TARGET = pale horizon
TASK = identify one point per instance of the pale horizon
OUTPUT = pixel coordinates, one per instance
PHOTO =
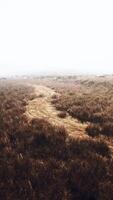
(56, 37)
(8, 71)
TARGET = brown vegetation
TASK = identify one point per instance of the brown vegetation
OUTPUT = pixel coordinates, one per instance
(62, 114)
(93, 103)
(41, 161)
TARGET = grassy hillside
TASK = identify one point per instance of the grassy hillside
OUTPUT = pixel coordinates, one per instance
(41, 161)
(92, 103)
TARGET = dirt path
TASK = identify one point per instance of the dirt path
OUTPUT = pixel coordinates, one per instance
(42, 107)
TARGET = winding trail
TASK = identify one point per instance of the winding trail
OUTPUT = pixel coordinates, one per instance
(42, 107)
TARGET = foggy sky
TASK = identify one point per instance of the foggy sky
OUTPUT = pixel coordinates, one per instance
(56, 37)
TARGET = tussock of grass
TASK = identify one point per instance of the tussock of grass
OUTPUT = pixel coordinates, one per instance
(62, 114)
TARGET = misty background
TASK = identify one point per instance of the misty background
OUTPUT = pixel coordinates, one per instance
(56, 37)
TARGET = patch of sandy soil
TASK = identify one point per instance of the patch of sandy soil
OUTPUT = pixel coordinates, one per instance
(42, 107)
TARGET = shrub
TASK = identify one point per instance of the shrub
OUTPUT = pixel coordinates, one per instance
(93, 130)
(62, 114)
(40, 95)
(54, 96)
(107, 129)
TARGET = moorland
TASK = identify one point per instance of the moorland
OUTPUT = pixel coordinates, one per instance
(56, 138)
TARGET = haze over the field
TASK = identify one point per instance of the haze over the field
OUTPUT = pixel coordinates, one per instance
(49, 37)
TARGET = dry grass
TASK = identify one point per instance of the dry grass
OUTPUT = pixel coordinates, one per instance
(92, 104)
(43, 108)
(39, 159)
